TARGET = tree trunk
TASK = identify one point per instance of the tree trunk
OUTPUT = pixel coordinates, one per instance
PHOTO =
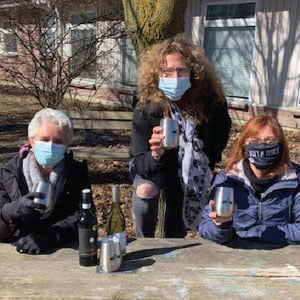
(151, 21)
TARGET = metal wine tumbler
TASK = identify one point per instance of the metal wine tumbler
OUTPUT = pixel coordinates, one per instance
(110, 255)
(224, 201)
(47, 189)
(171, 133)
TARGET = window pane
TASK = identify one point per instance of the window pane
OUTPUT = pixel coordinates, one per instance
(230, 11)
(129, 63)
(83, 59)
(230, 50)
(10, 42)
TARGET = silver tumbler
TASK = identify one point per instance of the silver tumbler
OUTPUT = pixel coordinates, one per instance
(224, 201)
(110, 255)
(171, 133)
(47, 189)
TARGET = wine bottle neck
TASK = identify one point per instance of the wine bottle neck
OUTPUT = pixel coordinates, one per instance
(86, 205)
(116, 204)
(116, 193)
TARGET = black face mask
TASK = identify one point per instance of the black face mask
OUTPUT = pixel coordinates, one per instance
(263, 155)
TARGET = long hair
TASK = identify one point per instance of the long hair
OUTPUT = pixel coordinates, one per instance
(251, 129)
(206, 91)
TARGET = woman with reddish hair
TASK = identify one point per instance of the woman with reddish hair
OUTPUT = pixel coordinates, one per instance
(266, 187)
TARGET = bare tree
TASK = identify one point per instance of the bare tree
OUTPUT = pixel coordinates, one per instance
(54, 46)
(150, 21)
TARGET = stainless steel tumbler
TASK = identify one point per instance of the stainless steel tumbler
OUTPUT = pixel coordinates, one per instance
(224, 201)
(110, 255)
(47, 189)
(171, 133)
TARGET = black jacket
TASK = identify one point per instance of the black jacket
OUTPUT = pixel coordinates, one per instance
(63, 219)
(214, 134)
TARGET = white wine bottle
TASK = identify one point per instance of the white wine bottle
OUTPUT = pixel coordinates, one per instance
(87, 231)
(115, 226)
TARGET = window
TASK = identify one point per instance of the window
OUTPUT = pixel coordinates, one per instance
(48, 37)
(83, 46)
(229, 43)
(129, 69)
(84, 49)
(8, 40)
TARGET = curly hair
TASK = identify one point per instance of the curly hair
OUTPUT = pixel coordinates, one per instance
(251, 129)
(206, 89)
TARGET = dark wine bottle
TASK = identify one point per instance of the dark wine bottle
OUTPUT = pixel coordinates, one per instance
(115, 226)
(87, 231)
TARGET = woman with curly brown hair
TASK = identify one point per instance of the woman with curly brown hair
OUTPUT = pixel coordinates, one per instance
(175, 81)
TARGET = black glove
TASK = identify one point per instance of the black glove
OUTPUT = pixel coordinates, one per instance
(23, 209)
(36, 243)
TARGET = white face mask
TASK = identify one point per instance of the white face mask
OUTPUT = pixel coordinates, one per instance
(174, 88)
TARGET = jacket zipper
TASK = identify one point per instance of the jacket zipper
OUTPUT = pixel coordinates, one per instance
(260, 208)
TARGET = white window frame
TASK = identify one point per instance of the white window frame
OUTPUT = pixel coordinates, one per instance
(3, 32)
(239, 22)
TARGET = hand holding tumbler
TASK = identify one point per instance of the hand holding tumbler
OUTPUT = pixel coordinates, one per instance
(224, 201)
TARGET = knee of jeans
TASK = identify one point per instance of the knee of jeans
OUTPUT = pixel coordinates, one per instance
(147, 190)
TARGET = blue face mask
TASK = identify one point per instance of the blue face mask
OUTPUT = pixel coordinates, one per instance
(48, 154)
(174, 88)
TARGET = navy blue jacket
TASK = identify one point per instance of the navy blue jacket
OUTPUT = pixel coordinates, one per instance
(272, 218)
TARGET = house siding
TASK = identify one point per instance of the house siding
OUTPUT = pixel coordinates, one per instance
(275, 72)
(277, 48)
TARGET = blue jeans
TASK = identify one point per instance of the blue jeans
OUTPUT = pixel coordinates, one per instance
(145, 210)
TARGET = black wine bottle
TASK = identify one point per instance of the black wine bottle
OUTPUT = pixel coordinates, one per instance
(115, 226)
(87, 231)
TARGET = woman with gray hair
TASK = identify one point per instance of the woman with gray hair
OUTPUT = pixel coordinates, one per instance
(34, 227)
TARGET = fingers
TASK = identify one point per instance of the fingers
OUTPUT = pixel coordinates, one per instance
(32, 195)
(28, 245)
(155, 142)
(156, 137)
(36, 207)
(217, 219)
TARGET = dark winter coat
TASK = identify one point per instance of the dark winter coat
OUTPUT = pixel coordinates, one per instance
(214, 134)
(274, 217)
(63, 218)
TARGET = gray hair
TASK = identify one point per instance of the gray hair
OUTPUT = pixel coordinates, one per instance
(51, 115)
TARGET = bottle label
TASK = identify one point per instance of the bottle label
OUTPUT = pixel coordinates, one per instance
(121, 238)
(87, 241)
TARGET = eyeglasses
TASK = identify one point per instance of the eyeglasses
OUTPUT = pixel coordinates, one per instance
(267, 140)
(181, 71)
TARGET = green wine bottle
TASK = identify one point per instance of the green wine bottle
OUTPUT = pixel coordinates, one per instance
(115, 226)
